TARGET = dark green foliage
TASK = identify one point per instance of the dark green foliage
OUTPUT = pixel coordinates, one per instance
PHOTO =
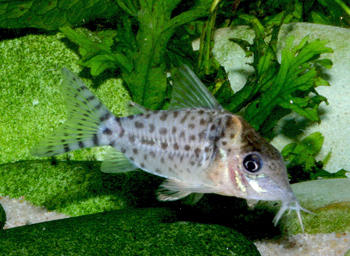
(96, 50)
(52, 14)
(329, 12)
(276, 89)
(149, 231)
(302, 164)
(139, 46)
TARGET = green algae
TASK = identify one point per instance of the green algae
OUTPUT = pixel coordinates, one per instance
(31, 103)
(149, 231)
(75, 187)
(331, 218)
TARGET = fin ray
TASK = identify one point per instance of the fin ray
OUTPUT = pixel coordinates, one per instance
(85, 114)
(170, 190)
(135, 108)
(190, 92)
(116, 162)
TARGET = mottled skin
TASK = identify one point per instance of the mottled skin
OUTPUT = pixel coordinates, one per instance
(176, 144)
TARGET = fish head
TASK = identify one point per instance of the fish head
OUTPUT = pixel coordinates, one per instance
(255, 168)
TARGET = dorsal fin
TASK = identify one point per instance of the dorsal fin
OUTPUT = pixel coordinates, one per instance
(190, 92)
(133, 108)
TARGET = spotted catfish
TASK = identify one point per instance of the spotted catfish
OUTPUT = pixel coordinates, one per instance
(196, 145)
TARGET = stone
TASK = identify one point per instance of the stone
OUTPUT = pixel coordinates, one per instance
(335, 119)
(149, 231)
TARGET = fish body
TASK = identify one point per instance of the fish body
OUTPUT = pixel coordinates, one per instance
(196, 145)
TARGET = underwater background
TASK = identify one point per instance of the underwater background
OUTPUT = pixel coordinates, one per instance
(282, 65)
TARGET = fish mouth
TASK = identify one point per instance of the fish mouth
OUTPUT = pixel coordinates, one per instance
(265, 188)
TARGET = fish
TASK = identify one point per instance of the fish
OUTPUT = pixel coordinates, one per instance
(196, 145)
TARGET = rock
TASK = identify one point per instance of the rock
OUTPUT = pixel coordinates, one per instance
(336, 117)
(320, 193)
(2, 217)
(330, 201)
(150, 231)
(31, 102)
(76, 188)
(20, 212)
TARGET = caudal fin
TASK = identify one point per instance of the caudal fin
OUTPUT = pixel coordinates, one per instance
(82, 129)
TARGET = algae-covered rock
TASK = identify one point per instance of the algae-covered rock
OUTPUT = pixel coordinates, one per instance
(75, 187)
(2, 217)
(149, 231)
(328, 199)
(31, 102)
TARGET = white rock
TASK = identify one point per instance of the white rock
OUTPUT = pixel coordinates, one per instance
(20, 212)
(319, 193)
(335, 124)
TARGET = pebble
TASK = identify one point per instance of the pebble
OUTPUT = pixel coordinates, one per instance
(332, 244)
(19, 212)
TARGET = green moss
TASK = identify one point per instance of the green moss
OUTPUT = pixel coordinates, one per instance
(2, 217)
(31, 103)
(149, 231)
(76, 188)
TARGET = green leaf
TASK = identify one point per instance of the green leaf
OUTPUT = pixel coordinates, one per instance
(304, 152)
(52, 14)
(156, 88)
(295, 75)
(328, 175)
(96, 50)
(100, 63)
(326, 63)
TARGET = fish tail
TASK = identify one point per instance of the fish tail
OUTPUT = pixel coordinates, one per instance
(89, 122)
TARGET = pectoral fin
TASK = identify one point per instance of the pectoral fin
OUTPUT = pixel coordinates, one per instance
(171, 190)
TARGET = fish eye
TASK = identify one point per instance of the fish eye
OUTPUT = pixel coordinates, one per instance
(252, 162)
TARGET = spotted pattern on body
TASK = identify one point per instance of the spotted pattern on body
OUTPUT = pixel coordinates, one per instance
(171, 144)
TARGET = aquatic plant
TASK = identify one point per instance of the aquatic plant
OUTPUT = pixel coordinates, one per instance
(301, 157)
(138, 47)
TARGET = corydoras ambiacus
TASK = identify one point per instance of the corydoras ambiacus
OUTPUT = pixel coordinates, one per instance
(196, 145)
